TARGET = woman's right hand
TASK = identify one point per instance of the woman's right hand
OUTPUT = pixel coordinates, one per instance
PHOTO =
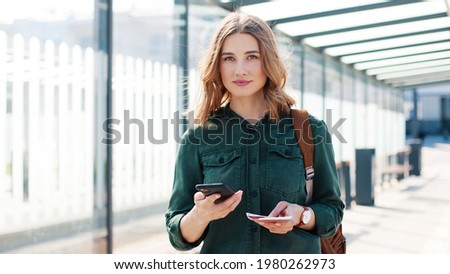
(205, 210)
(194, 223)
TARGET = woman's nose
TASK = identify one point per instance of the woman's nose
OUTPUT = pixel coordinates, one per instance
(241, 68)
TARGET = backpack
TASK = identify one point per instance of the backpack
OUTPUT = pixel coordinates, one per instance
(335, 244)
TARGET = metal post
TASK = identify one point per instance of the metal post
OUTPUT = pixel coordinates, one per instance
(415, 119)
(353, 105)
(341, 103)
(181, 55)
(302, 77)
(109, 152)
(324, 83)
(366, 101)
(103, 154)
(343, 169)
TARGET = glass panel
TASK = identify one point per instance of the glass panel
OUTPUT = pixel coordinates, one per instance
(348, 107)
(360, 111)
(348, 84)
(313, 83)
(382, 130)
(372, 93)
(47, 113)
(371, 110)
(149, 85)
(313, 72)
(333, 106)
(291, 54)
(333, 81)
(295, 75)
(204, 19)
(147, 69)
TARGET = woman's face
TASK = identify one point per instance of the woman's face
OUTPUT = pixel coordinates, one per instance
(241, 67)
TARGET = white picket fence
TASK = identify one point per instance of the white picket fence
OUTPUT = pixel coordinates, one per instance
(143, 169)
(47, 133)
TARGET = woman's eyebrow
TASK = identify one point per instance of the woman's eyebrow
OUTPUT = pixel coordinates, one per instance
(247, 52)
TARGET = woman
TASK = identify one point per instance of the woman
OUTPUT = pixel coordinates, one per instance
(245, 139)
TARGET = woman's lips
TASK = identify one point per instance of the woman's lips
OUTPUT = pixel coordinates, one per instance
(241, 82)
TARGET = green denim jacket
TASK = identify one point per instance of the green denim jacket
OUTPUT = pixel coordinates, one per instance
(265, 162)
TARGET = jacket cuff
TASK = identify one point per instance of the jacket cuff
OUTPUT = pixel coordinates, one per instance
(324, 226)
(175, 236)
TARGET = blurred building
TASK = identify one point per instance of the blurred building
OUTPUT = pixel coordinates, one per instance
(432, 110)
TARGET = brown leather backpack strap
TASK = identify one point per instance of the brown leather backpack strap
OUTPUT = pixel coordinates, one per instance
(336, 244)
(305, 141)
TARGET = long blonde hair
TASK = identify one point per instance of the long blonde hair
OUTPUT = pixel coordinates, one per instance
(213, 92)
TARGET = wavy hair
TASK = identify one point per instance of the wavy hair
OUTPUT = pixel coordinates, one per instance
(213, 92)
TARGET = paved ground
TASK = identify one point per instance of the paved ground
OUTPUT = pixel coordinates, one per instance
(410, 216)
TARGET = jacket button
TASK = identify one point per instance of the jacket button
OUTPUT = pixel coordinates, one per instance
(253, 160)
(221, 160)
(254, 194)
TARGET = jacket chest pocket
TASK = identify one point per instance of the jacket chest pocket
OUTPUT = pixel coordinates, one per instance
(223, 166)
(285, 171)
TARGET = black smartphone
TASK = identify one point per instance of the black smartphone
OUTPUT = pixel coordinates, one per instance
(208, 189)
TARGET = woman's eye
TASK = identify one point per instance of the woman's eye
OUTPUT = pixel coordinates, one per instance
(229, 58)
(251, 57)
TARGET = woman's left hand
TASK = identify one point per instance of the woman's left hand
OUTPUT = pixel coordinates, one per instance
(281, 210)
